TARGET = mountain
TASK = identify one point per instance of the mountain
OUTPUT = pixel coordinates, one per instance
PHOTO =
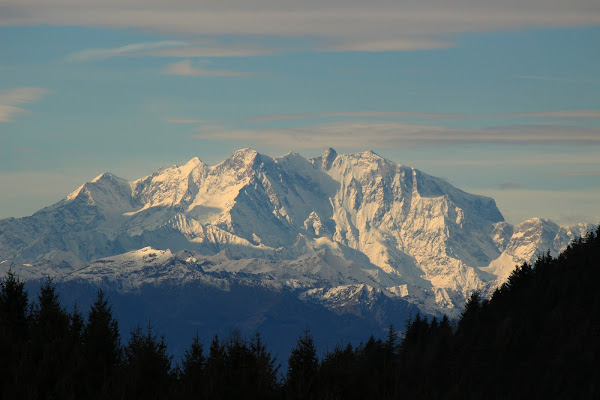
(353, 233)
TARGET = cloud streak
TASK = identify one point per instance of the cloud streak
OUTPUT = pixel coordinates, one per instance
(170, 48)
(345, 25)
(186, 68)
(359, 114)
(183, 121)
(566, 114)
(510, 185)
(552, 114)
(555, 79)
(214, 51)
(576, 174)
(10, 99)
(390, 134)
(134, 49)
(394, 44)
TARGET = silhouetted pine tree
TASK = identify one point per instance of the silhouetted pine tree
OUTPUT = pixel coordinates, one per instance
(264, 369)
(215, 370)
(238, 364)
(192, 375)
(303, 368)
(77, 365)
(101, 348)
(470, 316)
(14, 304)
(51, 347)
(146, 367)
(337, 374)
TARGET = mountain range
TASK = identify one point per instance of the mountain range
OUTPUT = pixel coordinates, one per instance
(354, 234)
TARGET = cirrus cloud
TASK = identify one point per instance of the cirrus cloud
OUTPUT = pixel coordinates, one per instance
(170, 48)
(134, 49)
(562, 114)
(510, 185)
(186, 68)
(392, 134)
(10, 99)
(549, 114)
(346, 25)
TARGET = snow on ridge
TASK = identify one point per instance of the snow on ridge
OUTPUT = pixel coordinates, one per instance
(74, 194)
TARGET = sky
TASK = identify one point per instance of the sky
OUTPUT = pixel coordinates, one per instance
(500, 98)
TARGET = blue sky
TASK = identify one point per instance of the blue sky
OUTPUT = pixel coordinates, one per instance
(499, 99)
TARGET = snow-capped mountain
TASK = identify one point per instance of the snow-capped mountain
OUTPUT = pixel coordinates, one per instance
(342, 230)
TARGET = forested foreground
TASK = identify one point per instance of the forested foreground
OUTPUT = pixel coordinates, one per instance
(538, 336)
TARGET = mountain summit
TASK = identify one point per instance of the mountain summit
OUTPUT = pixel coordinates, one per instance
(322, 227)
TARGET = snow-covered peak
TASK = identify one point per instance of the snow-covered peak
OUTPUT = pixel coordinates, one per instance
(293, 153)
(292, 158)
(107, 176)
(111, 194)
(327, 158)
(534, 227)
(370, 154)
(245, 151)
(242, 158)
(146, 254)
(192, 164)
(530, 239)
(75, 193)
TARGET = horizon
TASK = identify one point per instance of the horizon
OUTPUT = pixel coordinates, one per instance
(498, 100)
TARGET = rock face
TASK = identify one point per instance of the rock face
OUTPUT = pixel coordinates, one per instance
(345, 231)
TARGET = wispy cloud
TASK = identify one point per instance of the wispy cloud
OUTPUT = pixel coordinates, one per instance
(381, 45)
(186, 68)
(186, 121)
(510, 185)
(213, 51)
(555, 79)
(359, 114)
(567, 114)
(134, 49)
(391, 134)
(172, 48)
(10, 99)
(576, 174)
(396, 115)
(348, 25)
(552, 114)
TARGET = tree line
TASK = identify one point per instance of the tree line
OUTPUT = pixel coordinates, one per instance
(537, 336)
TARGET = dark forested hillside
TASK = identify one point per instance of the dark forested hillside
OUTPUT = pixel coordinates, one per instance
(538, 336)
